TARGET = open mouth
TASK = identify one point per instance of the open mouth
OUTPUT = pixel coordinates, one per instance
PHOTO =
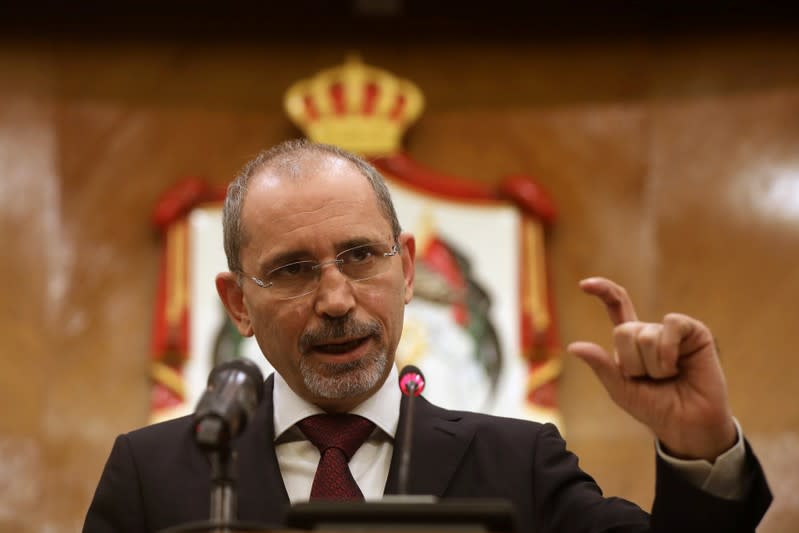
(340, 347)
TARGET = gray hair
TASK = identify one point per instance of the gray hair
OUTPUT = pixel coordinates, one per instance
(287, 152)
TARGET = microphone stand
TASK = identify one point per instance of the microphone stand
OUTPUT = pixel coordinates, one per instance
(405, 455)
(224, 500)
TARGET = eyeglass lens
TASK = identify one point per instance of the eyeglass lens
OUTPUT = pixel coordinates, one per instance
(302, 277)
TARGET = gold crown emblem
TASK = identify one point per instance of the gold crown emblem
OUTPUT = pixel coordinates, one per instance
(358, 107)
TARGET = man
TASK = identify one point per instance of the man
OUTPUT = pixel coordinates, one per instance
(320, 272)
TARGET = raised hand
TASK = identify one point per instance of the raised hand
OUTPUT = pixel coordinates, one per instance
(667, 375)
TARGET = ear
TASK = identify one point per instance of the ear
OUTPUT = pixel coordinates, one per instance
(233, 298)
(408, 255)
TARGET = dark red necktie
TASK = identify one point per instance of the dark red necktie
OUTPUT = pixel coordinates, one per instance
(338, 437)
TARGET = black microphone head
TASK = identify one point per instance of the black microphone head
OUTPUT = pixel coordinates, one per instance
(411, 380)
(235, 389)
(241, 364)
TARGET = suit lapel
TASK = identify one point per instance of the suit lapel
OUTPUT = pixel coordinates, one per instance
(439, 443)
(262, 494)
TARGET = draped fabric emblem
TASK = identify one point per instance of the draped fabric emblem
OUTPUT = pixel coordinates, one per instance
(338, 437)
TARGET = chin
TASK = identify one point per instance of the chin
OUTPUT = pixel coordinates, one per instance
(339, 381)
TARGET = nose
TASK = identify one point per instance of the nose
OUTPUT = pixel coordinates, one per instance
(334, 296)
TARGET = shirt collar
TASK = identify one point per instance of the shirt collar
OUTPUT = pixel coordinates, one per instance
(382, 407)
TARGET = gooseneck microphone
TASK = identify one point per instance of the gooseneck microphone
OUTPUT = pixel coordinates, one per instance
(411, 383)
(234, 391)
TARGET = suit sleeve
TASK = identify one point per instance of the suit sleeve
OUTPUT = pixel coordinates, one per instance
(117, 504)
(681, 506)
(570, 500)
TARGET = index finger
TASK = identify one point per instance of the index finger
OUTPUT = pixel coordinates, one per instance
(617, 302)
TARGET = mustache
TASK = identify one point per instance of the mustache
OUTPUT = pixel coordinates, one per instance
(338, 328)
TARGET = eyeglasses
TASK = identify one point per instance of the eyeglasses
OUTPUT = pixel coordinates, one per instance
(302, 277)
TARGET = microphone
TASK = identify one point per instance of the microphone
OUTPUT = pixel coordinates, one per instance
(234, 391)
(411, 383)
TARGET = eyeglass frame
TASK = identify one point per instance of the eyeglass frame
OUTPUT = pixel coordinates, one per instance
(317, 267)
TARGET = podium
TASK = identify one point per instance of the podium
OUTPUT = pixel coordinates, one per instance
(401, 514)
(207, 526)
(405, 513)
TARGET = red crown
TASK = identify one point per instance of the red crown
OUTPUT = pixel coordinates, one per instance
(360, 108)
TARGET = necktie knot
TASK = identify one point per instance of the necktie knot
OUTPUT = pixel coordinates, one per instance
(346, 432)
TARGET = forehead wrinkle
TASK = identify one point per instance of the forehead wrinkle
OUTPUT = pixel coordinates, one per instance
(325, 222)
(300, 228)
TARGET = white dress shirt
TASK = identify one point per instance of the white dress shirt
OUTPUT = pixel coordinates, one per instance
(298, 458)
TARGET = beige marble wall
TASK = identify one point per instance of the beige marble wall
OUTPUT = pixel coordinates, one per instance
(673, 162)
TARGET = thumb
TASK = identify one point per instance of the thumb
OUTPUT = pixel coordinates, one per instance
(603, 365)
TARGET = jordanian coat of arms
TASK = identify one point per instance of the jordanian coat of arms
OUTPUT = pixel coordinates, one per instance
(481, 324)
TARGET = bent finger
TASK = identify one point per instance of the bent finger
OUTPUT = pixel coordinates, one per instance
(625, 342)
(656, 354)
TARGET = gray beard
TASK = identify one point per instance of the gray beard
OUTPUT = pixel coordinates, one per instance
(337, 381)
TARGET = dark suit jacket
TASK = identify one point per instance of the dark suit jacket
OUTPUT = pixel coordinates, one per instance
(156, 477)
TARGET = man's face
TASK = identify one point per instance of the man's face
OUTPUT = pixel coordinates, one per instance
(334, 346)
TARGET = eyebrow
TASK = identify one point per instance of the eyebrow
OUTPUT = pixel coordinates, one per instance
(285, 258)
(352, 243)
